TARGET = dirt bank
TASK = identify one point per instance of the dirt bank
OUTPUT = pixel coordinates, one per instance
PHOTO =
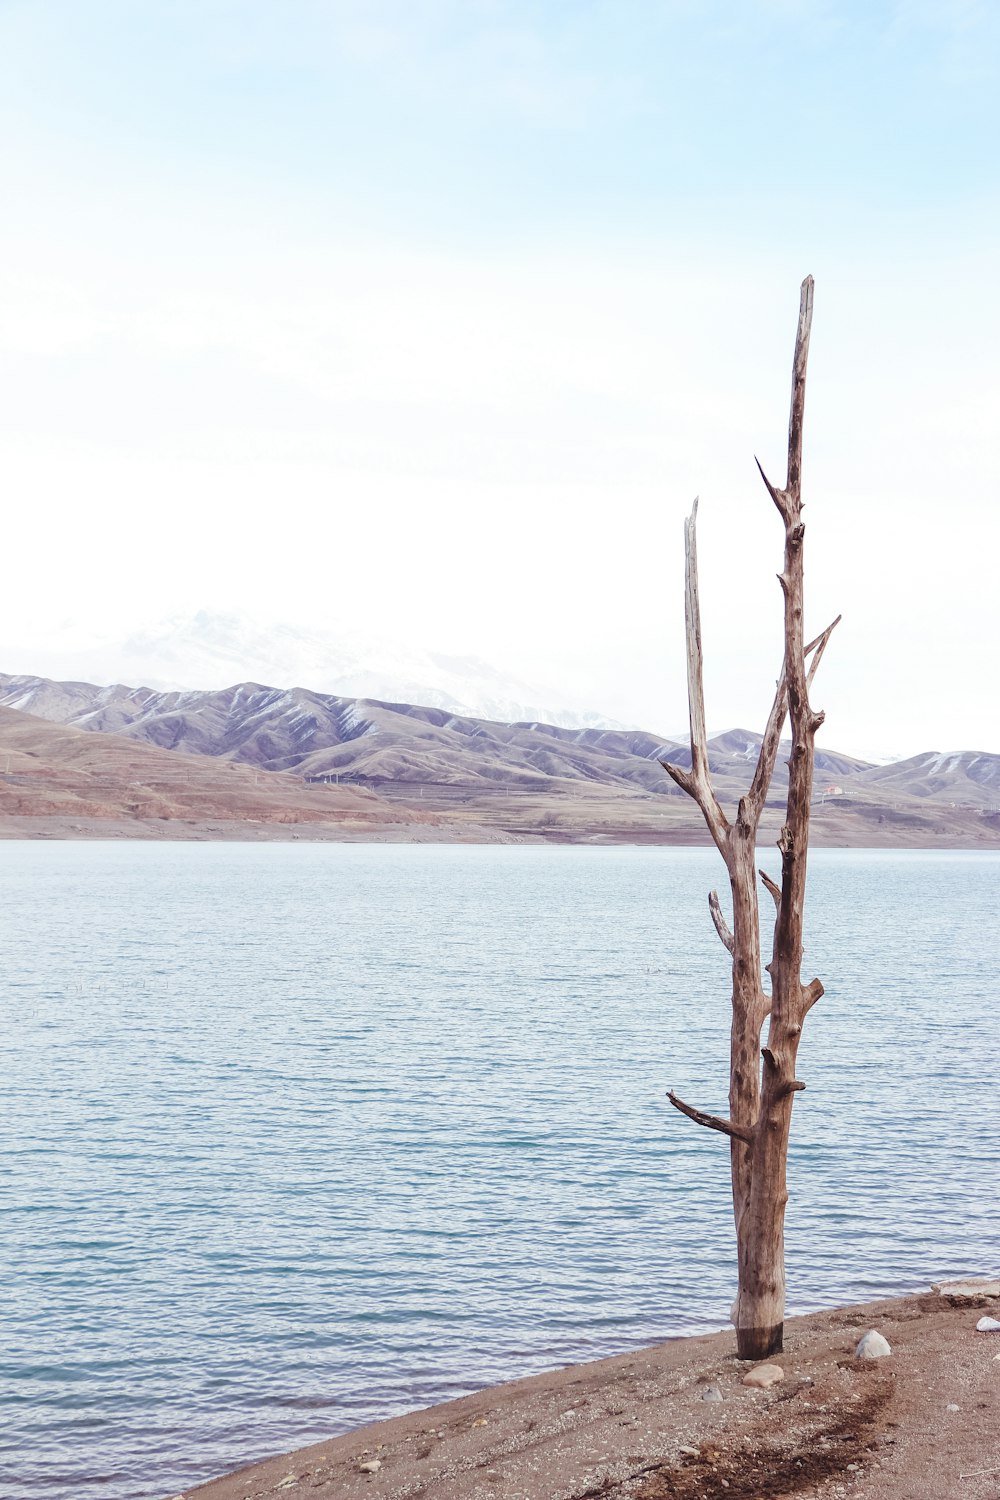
(920, 1424)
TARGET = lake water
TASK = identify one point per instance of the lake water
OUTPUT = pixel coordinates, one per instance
(296, 1136)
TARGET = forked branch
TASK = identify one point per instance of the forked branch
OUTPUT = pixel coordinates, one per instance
(768, 753)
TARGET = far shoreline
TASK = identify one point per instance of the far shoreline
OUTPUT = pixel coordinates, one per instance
(33, 829)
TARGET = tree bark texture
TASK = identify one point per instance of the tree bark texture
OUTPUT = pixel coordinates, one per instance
(762, 1084)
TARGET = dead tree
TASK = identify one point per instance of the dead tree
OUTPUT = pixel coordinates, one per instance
(762, 1081)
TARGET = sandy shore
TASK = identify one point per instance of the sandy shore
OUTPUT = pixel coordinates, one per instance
(920, 1424)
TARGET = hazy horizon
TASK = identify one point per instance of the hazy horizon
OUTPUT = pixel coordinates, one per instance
(175, 655)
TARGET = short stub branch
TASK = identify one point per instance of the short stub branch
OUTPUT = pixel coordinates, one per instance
(812, 992)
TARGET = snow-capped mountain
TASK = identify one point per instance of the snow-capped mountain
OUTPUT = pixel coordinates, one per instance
(213, 650)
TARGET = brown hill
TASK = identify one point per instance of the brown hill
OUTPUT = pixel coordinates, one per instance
(364, 740)
(72, 780)
(527, 781)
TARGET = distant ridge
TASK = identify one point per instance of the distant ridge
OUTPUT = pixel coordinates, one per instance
(407, 752)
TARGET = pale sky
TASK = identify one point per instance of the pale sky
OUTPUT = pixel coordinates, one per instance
(434, 317)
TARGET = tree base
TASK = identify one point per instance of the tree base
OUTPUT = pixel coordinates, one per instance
(759, 1343)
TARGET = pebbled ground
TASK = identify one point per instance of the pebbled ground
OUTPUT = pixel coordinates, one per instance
(637, 1427)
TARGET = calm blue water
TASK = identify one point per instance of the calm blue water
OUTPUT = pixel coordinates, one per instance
(296, 1136)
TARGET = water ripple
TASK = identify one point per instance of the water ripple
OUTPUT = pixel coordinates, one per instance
(297, 1137)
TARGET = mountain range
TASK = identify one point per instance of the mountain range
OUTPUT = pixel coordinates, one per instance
(509, 779)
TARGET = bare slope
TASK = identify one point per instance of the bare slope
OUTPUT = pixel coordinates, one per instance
(362, 739)
(314, 733)
(62, 774)
(529, 780)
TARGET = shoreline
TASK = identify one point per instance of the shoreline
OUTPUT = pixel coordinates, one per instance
(921, 1424)
(39, 829)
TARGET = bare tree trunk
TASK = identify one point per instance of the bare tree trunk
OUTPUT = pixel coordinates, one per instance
(760, 1099)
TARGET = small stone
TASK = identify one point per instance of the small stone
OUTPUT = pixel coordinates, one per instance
(952, 1407)
(872, 1346)
(764, 1376)
(690, 1452)
(480, 1422)
(371, 1467)
(988, 1325)
(287, 1482)
(711, 1393)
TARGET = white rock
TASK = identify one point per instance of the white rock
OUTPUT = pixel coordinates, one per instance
(988, 1325)
(371, 1467)
(969, 1286)
(763, 1376)
(872, 1346)
(952, 1407)
(711, 1393)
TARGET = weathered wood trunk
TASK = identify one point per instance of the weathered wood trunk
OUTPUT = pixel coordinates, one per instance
(762, 1082)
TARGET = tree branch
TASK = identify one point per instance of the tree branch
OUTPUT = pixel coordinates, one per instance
(819, 644)
(788, 500)
(778, 496)
(701, 792)
(771, 739)
(698, 782)
(683, 778)
(796, 415)
(711, 1122)
(812, 992)
(720, 922)
(695, 665)
(769, 885)
(768, 753)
